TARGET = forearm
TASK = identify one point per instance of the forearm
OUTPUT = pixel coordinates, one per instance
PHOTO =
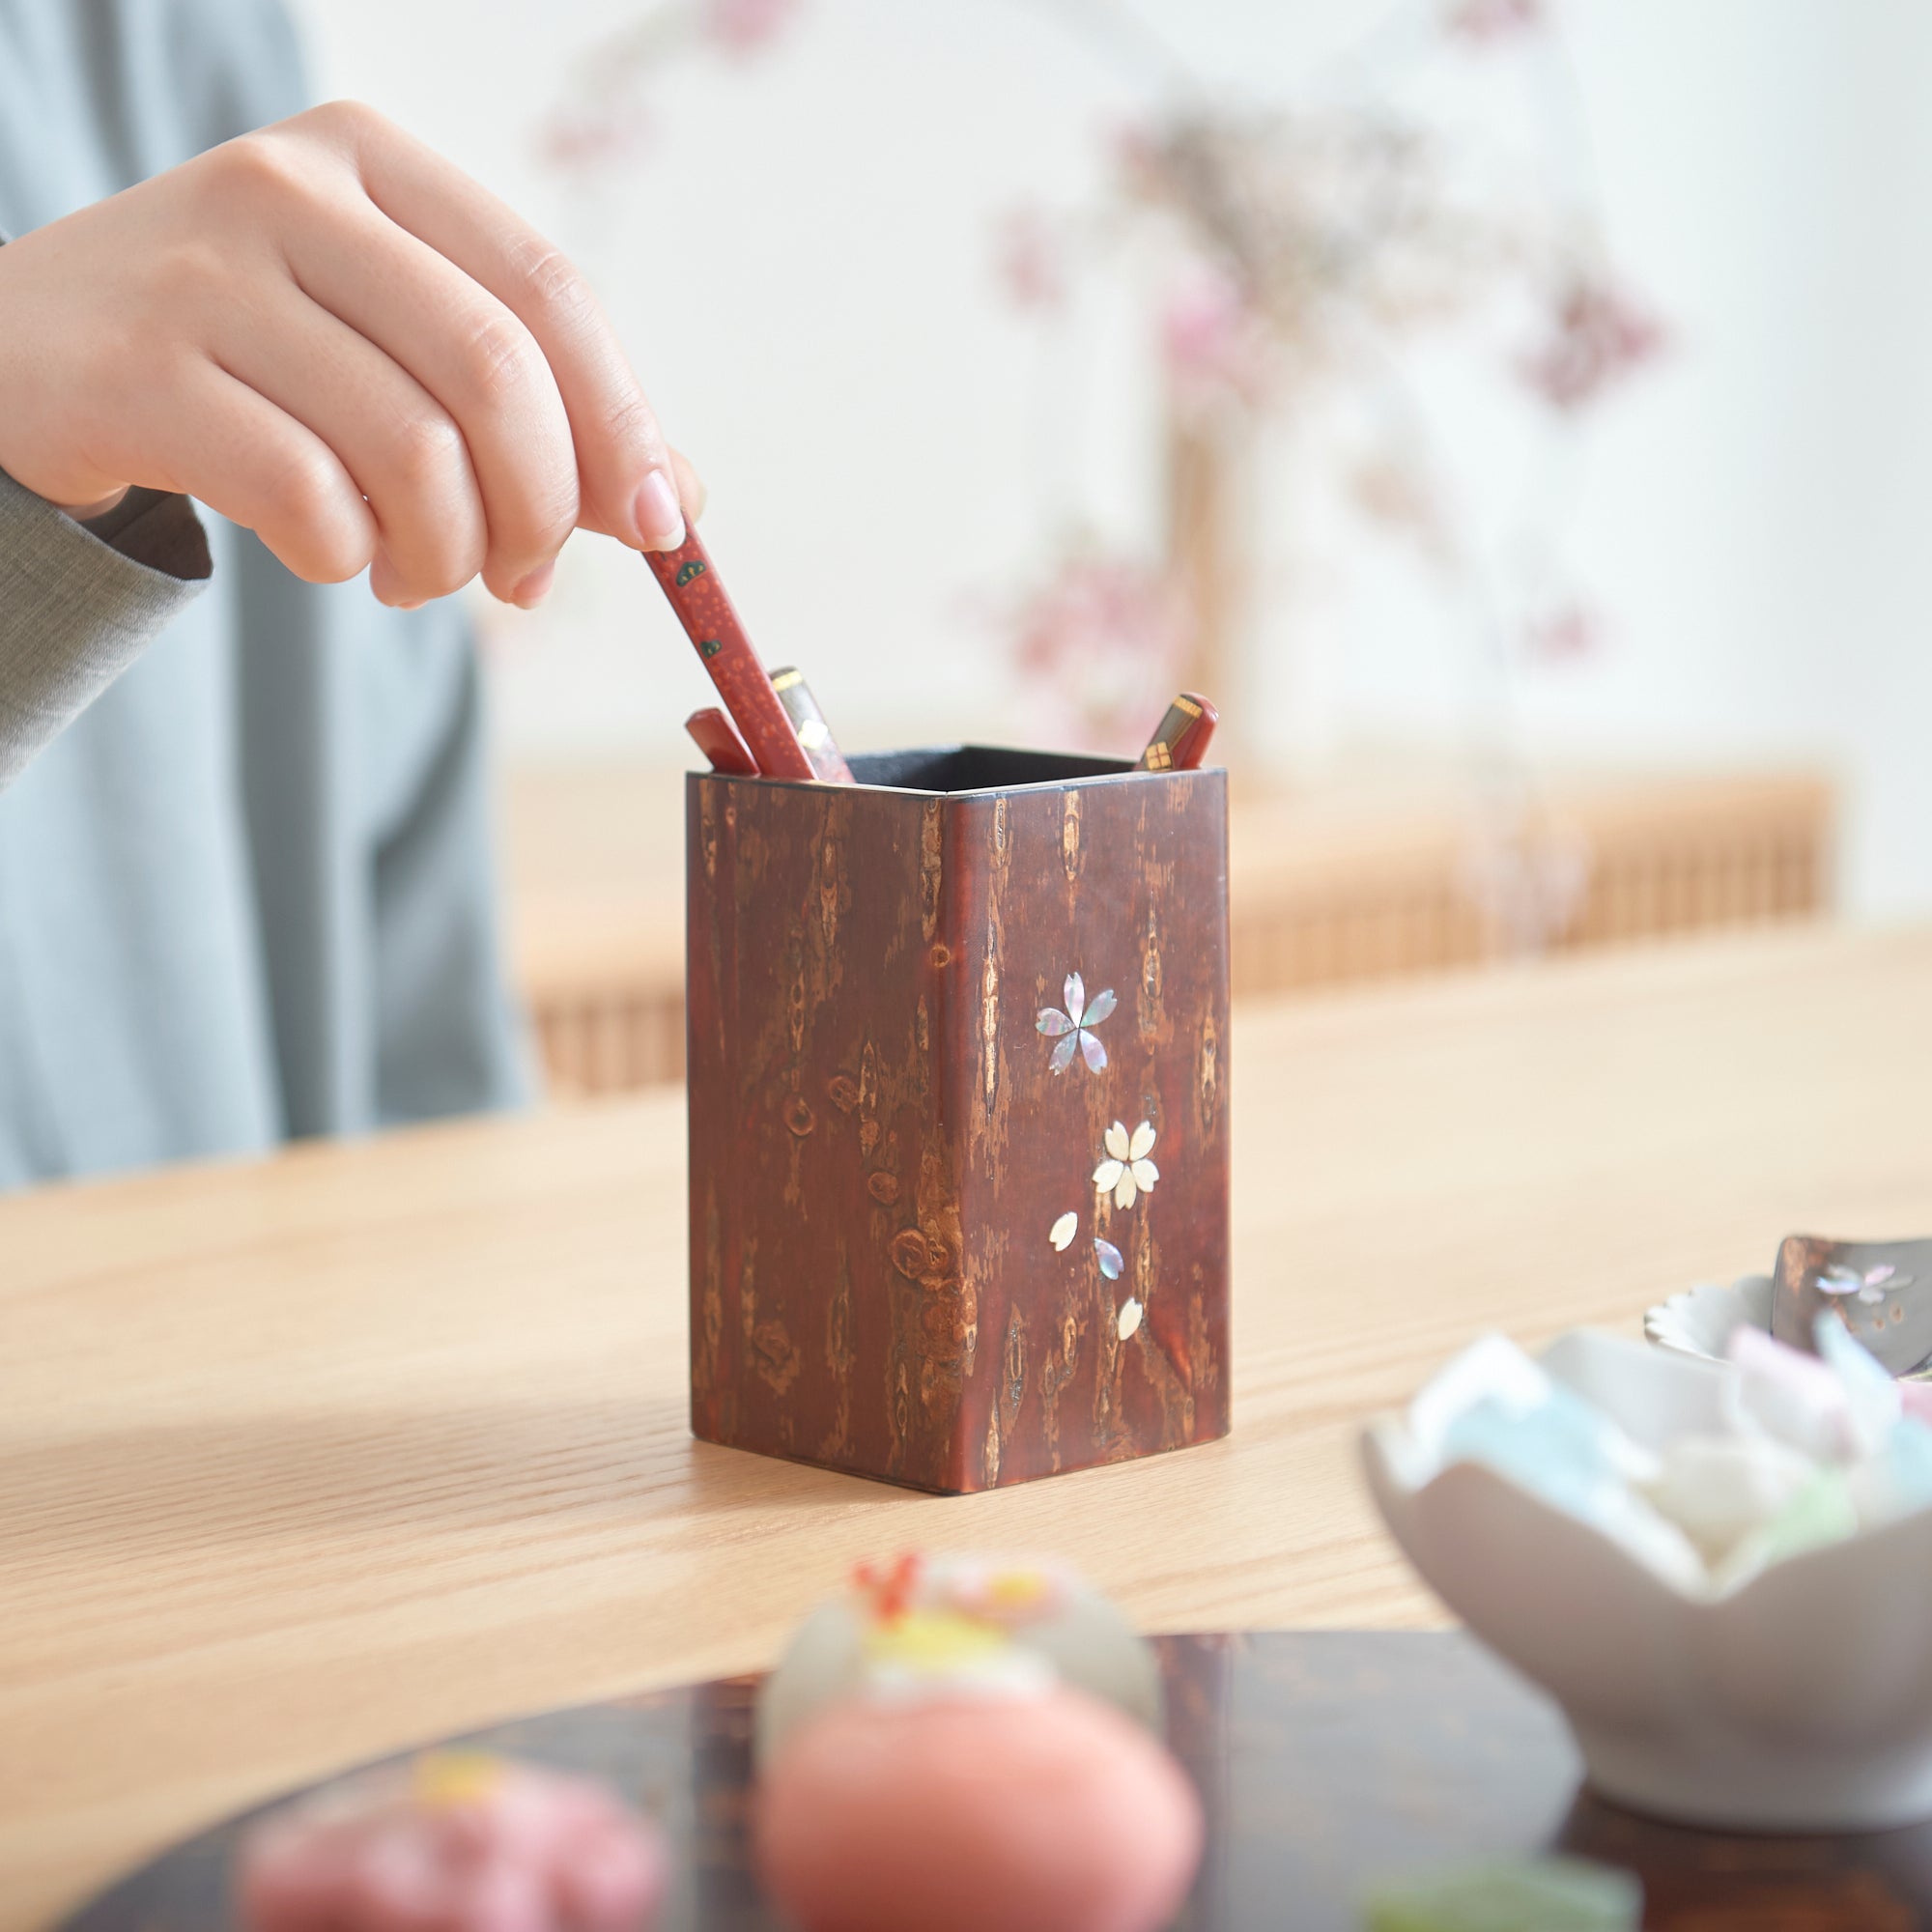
(79, 603)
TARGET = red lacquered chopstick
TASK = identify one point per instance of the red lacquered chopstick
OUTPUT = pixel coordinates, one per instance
(1181, 739)
(718, 739)
(688, 579)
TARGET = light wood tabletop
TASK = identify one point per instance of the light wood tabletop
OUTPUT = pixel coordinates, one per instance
(310, 1458)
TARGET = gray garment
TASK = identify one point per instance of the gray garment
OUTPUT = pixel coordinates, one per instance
(80, 604)
(246, 877)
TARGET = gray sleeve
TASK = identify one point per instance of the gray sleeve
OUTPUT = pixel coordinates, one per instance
(79, 603)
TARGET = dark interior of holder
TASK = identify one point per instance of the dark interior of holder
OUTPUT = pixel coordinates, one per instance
(977, 768)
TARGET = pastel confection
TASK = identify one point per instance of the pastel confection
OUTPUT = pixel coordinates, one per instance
(1493, 1405)
(963, 1743)
(1043, 1811)
(463, 1844)
(1794, 1397)
(1821, 1512)
(1898, 1478)
(1720, 1489)
(1802, 1450)
(1541, 1895)
(1011, 1614)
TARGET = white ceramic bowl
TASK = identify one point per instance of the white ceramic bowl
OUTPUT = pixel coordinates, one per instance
(1699, 1321)
(1800, 1701)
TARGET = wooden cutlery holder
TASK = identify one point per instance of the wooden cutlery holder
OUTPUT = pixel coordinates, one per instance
(957, 1044)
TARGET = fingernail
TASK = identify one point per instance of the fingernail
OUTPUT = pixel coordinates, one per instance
(659, 520)
(533, 589)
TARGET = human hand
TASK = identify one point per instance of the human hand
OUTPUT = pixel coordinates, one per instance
(330, 334)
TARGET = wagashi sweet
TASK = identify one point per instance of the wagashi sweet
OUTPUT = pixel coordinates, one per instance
(460, 1843)
(864, 1639)
(960, 1743)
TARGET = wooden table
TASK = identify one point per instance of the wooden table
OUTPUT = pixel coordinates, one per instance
(307, 1459)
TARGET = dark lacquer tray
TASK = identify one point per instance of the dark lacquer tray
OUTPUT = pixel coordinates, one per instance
(1326, 1760)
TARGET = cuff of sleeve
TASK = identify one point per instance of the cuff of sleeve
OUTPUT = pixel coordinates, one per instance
(160, 530)
(75, 610)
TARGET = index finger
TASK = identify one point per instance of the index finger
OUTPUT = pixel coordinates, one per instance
(627, 483)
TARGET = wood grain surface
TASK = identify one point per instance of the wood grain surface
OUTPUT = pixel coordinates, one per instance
(881, 1137)
(311, 1459)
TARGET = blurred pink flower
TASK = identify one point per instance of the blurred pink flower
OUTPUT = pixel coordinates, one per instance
(1032, 260)
(1140, 159)
(1598, 335)
(1486, 21)
(746, 26)
(1529, 882)
(1564, 632)
(1213, 342)
(1105, 637)
(1397, 494)
(584, 140)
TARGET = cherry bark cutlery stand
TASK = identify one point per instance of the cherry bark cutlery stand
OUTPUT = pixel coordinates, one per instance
(958, 1047)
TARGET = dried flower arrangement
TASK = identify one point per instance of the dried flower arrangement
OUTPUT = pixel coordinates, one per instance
(601, 117)
(1298, 253)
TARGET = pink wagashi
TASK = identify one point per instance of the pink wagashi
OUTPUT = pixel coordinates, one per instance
(1033, 1813)
(467, 1844)
(963, 1743)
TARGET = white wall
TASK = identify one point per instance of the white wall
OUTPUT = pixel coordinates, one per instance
(799, 261)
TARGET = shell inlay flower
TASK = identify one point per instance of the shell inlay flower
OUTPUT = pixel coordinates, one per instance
(1109, 1257)
(1130, 1318)
(1063, 1231)
(1127, 1172)
(1072, 1028)
(1872, 1286)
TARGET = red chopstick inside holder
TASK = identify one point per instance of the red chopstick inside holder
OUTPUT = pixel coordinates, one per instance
(1181, 739)
(717, 737)
(689, 580)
